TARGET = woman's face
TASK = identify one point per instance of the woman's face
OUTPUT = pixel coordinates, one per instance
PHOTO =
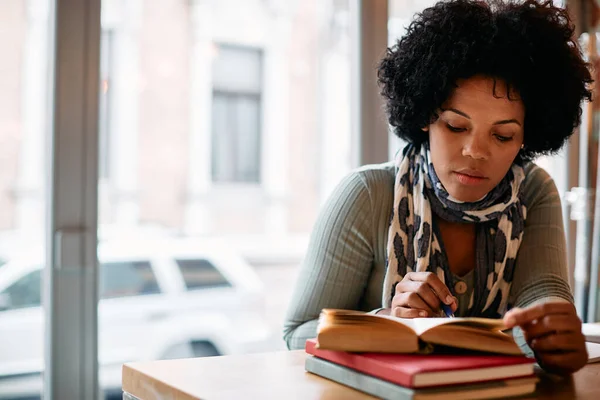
(476, 138)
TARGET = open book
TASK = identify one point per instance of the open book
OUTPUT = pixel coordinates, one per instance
(356, 331)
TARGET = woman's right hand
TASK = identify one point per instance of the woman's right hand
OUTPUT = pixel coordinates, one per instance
(420, 294)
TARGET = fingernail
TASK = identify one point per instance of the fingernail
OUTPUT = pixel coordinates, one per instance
(449, 299)
(423, 313)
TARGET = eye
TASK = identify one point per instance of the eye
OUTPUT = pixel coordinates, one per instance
(503, 139)
(454, 128)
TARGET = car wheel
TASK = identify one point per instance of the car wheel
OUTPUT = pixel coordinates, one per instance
(204, 349)
(179, 350)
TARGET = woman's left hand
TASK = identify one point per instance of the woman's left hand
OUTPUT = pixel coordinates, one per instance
(553, 331)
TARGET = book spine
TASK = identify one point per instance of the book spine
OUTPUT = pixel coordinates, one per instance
(357, 380)
(362, 364)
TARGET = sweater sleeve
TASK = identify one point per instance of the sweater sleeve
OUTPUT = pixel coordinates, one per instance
(541, 272)
(338, 262)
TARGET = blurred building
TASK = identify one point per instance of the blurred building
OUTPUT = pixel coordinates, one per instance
(217, 117)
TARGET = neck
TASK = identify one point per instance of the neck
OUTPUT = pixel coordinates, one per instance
(465, 225)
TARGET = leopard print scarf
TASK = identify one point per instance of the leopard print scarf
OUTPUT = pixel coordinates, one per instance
(414, 242)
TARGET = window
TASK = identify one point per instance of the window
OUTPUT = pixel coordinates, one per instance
(236, 110)
(26, 292)
(230, 120)
(127, 278)
(27, 119)
(201, 274)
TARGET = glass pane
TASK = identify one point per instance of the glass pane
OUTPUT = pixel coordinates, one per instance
(236, 137)
(247, 115)
(225, 124)
(129, 278)
(236, 97)
(23, 137)
(237, 69)
(201, 274)
(24, 293)
(401, 13)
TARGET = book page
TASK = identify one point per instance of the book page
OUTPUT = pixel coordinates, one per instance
(350, 330)
(468, 337)
(347, 330)
(417, 325)
(422, 325)
(336, 316)
(482, 334)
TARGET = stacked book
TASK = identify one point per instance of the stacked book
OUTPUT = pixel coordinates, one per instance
(429, 358)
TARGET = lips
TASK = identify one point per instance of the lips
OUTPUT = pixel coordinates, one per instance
(471, 172)
(470, 176)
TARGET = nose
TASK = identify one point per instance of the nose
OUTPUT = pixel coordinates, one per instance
(476, 147)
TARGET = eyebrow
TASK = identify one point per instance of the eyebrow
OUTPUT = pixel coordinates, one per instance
(501, 122)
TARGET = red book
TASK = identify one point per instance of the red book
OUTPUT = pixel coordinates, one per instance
(428, 370)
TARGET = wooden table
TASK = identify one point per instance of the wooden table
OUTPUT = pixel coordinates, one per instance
(281, 375)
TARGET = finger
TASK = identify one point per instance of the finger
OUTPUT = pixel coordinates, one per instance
(413, 300)
(560, 342)
(563, 362)
(560, 323)
(441, 290)
(405, 312)
(522, 316)
(424, 291)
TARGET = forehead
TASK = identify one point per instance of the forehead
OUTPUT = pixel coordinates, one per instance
(486, 95)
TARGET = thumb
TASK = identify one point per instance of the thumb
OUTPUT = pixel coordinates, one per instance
(509, 318)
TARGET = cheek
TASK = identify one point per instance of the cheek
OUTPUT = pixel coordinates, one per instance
(502, 164)
(442, 151)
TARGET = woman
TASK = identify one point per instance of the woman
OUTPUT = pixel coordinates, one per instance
(462, 217)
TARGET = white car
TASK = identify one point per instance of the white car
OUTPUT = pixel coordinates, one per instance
(159, 299)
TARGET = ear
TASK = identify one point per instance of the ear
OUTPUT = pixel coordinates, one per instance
(425, 129)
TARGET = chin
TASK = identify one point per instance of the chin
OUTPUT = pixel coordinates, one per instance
(467, 196)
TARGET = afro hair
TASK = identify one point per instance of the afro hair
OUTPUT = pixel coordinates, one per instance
(529, 45)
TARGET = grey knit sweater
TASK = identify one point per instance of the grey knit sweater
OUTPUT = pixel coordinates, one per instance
(345, 263)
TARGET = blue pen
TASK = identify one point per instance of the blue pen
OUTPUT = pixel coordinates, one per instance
(447, 310)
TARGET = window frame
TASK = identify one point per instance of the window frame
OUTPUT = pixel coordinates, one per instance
(71, 272)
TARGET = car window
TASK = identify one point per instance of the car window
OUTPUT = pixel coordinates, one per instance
(201, 274)
(127, 278)
(26, 292)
